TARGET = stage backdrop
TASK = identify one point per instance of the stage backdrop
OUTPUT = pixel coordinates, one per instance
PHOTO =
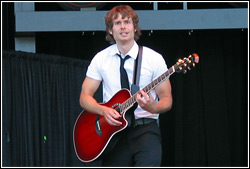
(207, 125)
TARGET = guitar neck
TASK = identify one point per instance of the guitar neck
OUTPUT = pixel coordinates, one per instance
(132, 100)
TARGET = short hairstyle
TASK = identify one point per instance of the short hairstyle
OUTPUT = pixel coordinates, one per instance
(125, 11)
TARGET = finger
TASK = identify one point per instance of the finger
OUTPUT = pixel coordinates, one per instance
(139, 94)
(139, 98)
(116, 115)
(112, 121)
(150, 95)
(116, 122)
(145, 95)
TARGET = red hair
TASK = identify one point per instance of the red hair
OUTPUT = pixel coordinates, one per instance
(125, 11)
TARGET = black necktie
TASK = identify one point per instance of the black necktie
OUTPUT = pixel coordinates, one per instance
(125, 84)
(123, 73)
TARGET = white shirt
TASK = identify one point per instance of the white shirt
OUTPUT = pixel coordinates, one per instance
(105, 67)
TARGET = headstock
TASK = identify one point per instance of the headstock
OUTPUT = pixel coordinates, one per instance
(183, 64)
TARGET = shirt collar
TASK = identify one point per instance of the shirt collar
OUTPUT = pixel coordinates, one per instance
(133, 52)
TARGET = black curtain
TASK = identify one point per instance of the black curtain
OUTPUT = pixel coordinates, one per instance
(40, 104)
(207, 125)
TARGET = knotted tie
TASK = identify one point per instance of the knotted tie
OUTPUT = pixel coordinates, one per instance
(123, 73)
(125, 84)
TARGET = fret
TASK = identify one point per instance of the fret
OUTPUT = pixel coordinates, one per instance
(162, 77)
(156, 82)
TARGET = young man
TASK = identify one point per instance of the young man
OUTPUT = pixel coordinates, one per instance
(140, 145)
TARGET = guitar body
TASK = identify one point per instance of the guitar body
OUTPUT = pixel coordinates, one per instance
(92, 133)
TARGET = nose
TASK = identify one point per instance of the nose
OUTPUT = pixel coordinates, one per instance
(122, 25)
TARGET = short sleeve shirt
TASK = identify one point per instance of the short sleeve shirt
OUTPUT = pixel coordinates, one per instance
(105, 67)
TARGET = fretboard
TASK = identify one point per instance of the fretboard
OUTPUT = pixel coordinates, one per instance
(132, 100)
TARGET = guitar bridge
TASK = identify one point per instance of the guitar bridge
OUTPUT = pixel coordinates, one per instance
(98, 126)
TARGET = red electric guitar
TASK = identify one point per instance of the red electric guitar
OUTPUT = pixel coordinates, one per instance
(92, 134)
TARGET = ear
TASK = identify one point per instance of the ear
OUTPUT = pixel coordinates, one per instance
(110, 31)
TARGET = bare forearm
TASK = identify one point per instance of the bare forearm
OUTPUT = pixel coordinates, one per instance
(147, 102)
(90, 104)
(164, 105)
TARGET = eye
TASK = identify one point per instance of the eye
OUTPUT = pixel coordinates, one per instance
(127, 22)
(117, 23)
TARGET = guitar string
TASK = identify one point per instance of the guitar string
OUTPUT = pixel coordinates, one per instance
(129, 103)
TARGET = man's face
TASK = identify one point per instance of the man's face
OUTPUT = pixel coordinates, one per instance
(123, 29)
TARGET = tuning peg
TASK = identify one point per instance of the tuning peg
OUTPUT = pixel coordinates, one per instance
(189, 68)
(196, 57)
(184, 71)
(180, 61)
(193, 64)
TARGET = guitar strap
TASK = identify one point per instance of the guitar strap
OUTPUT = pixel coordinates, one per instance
(135, 86)
(137, 72)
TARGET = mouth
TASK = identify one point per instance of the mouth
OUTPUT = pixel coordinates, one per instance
(123, 33)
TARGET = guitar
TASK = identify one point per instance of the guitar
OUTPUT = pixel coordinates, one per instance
(92, 134)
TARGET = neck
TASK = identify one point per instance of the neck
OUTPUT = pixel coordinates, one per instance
(125, 47)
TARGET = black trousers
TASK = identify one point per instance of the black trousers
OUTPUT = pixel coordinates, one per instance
(138, 146)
